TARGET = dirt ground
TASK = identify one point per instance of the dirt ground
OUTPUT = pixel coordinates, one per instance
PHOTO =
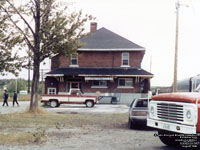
(103, 135)
(73, 130)
(89, 138)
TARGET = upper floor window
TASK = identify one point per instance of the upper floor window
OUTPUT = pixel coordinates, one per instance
(125, 59)
(74, 61)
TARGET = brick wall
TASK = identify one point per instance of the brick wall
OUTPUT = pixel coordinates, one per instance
(112, 86)
(51, 83)
(55, 62)
(99, 59)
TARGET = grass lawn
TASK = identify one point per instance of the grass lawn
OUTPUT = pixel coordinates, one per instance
(25, 128)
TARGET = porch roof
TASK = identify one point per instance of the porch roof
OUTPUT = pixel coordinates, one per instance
(132, 72)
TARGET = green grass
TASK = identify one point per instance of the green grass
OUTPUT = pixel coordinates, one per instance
(15, 138)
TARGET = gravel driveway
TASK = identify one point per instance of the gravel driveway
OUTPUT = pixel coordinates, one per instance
(68, 108)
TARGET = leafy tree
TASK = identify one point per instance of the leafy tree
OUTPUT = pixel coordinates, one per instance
(20, 83)
(47, 28)
(9, 62)
(4, 82)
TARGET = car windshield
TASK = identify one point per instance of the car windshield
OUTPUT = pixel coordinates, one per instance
(142, 103)
(132, 103)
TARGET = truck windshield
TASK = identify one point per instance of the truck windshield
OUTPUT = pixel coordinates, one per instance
(195, 84)
(76, 92)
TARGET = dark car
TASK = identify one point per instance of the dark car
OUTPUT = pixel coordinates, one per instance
(138, 112)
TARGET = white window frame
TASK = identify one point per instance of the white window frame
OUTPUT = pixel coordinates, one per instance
(126, 81)
(99, 86)
(74, 57)
(126, 65)
(51, 93)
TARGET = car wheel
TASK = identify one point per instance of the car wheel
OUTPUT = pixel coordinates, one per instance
(54, 103)
(89, 103)
(130, 124)
(168, 138)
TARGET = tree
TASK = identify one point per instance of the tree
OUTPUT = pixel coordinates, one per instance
(48, 29)
(9, 62)
(20, 83)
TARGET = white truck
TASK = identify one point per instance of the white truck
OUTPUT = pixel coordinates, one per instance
(75, 96)
(176, 116)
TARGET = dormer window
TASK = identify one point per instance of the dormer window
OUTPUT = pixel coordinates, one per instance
(74, 61)
(125, 60)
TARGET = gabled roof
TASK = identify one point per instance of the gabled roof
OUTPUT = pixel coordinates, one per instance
(104, 39)
(99, 72)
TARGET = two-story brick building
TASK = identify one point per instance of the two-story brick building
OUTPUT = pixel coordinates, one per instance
(107, 64)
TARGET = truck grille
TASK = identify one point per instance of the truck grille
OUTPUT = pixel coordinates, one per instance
(170, 112)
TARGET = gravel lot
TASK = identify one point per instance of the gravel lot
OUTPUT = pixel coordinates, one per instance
(99, 136)
(68, 108)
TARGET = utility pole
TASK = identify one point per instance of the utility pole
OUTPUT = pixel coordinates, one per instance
(42, 74)
(16, 85)
(176, 46)
(150, 63)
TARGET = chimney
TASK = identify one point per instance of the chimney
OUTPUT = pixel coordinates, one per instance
(93, 26)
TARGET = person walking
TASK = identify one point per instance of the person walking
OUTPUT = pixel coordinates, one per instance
(15, 99)
(5, 97)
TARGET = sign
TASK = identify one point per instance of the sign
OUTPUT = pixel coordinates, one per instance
(98, 78)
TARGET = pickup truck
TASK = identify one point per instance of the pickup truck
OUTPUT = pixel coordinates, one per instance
(74, 96)
(176, 116)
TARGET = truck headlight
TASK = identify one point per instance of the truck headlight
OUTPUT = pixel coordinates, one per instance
(152, 110)
(188, 114)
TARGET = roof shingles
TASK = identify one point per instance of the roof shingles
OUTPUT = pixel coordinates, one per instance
(103, 39)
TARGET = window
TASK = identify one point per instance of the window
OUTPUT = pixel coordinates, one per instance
(142, 103)
(99, 83)
(125, 59)
(76, 92)
(74, 61)
(74, 85)
(125, 82)
(51, 90)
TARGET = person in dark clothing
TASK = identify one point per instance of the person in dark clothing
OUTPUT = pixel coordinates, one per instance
(5, 97)
(15, 99)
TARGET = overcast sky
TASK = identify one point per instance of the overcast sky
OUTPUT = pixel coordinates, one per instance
(151, 24)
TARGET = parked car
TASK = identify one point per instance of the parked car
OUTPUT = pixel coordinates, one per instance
(108, 100)
(138, 112)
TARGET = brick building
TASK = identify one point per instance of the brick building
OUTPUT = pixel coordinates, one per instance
(107, 63)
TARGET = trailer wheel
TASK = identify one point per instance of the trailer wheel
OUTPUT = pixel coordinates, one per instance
(54, 103)
(168, 138)
(89, 103)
